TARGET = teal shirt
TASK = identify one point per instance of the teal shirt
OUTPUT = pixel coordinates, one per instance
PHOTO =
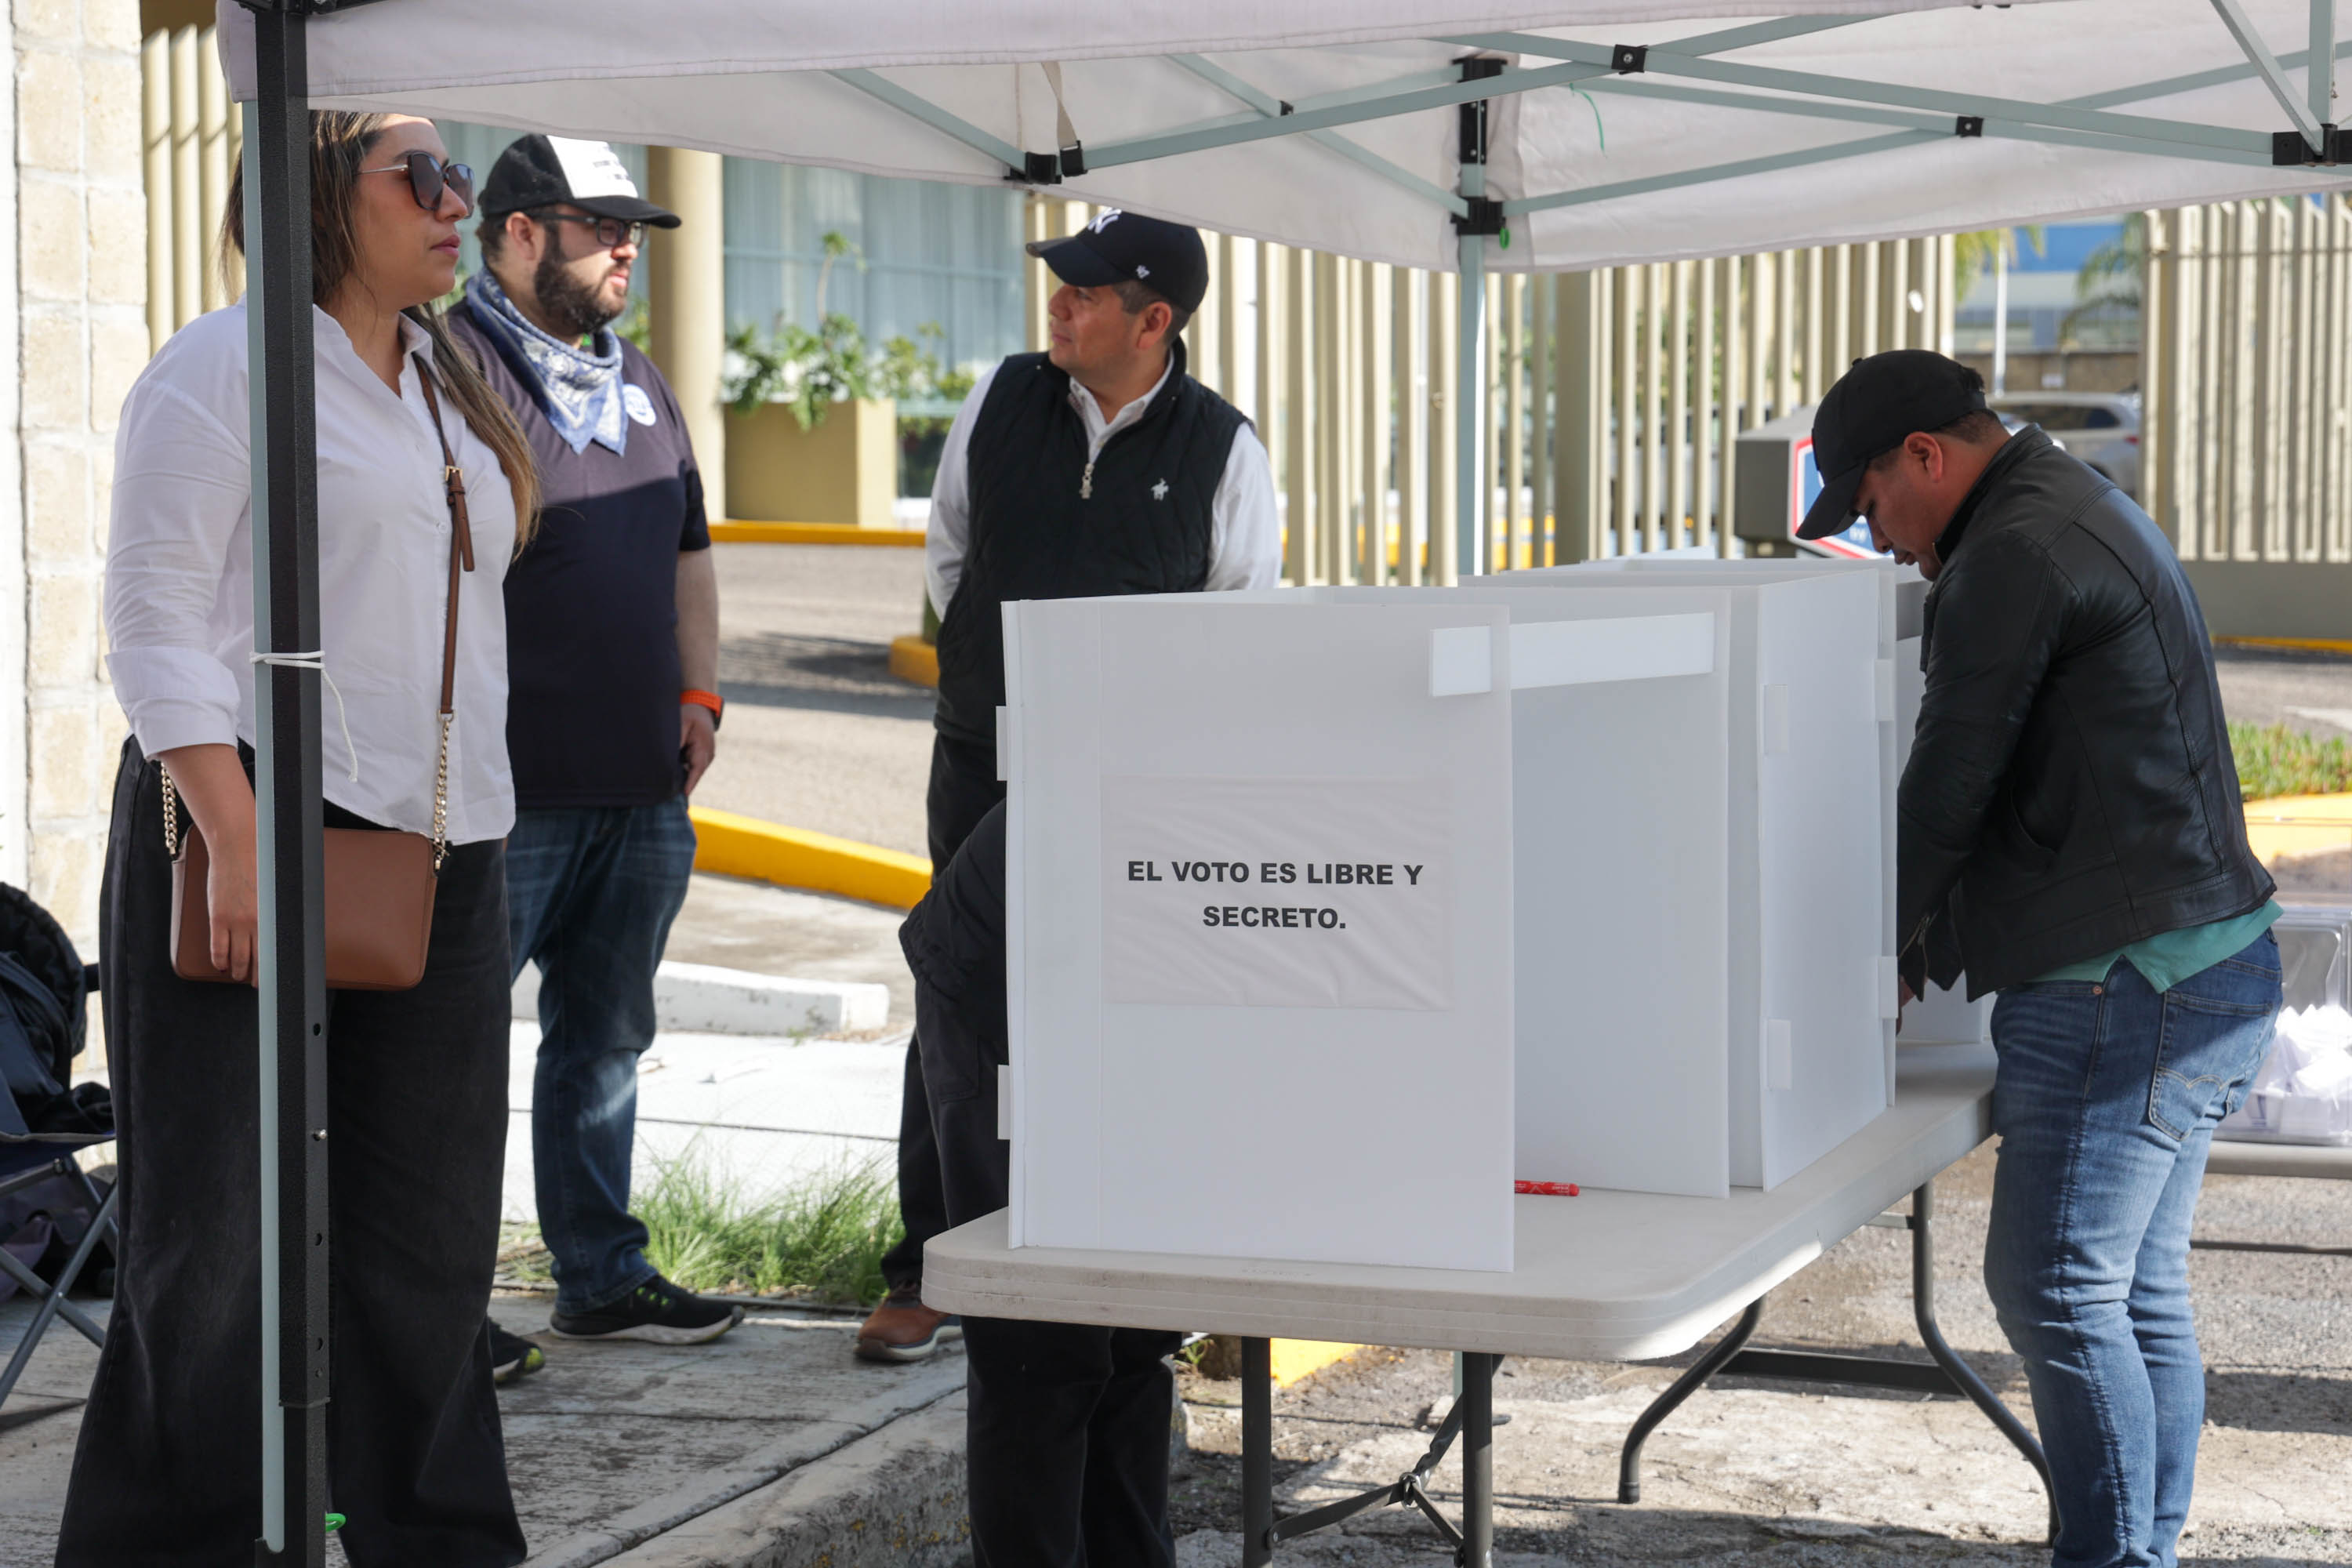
(2167, 958)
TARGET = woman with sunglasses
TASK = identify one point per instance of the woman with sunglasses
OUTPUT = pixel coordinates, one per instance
(168, 1467)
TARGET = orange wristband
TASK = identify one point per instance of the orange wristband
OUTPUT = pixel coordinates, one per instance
(710, 700)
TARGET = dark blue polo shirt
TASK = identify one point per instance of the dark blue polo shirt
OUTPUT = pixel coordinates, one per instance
(592, 602)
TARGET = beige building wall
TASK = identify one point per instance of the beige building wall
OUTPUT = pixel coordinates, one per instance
(81, 338)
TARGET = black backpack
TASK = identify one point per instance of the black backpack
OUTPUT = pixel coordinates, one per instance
(44, 1011)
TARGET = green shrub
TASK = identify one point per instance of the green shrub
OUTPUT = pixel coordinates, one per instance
(2274, 760)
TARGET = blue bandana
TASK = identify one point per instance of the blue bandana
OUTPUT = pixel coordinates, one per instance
(579, 389)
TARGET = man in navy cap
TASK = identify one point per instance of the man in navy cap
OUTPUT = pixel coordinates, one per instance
(2069, 834)
(1099, 467)
(613, 712)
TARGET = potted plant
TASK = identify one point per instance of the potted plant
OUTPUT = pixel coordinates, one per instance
(819, 437)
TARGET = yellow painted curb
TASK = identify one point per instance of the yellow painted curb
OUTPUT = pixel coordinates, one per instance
(2306, 645)
(2299, 825)
(1295, 1359)
(734, 533)
(737, 846)
(915, 661)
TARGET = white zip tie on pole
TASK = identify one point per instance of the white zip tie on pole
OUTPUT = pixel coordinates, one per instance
(316, 659)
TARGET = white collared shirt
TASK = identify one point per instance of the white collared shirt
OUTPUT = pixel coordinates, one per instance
(179, 574)
(1245, 527)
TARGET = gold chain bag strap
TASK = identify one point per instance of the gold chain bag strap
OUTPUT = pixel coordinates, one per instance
(379, 884)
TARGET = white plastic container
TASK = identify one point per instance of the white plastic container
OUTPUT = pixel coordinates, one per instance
(2304, 1093)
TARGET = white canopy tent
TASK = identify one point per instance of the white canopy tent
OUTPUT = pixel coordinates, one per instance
(1547, 135)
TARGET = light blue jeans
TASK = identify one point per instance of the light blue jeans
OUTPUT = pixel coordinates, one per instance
(2106, 1103)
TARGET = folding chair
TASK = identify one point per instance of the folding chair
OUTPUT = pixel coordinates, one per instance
(28, 1158)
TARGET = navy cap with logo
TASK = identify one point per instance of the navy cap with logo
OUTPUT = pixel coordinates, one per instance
(1872, 410)
(559, 171)
(1127, 248)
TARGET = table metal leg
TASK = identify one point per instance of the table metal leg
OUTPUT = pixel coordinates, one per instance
(1923, 1313)
(1257, 1453)
(1479, 1459)
(1949, 1376)
(1629, 1463)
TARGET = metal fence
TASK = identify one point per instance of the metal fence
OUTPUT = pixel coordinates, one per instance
(1614, 396)
(191, 136)
(2247, 430)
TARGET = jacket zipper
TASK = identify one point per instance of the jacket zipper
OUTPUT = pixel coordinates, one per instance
(1086, 481)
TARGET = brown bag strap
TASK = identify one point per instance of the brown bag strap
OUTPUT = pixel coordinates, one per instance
(461, 553)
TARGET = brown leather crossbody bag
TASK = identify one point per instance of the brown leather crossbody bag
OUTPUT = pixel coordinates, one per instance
(379, 884)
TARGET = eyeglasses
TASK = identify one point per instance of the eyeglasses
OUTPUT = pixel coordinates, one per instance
(428, 176)
(612, 233)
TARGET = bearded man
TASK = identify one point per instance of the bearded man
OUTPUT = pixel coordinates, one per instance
(613, 710)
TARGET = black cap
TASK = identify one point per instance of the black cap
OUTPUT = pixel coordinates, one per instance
(1127, 248)
(549, 171)
(1872, 410)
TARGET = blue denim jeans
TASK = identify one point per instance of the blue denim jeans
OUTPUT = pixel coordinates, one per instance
(591, 893)
(2106, 1103)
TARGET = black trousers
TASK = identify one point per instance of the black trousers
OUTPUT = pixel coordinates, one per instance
(169, 1467)
(964, 786)
(1067, 1433)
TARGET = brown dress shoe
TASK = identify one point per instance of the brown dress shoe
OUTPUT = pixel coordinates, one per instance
(902, 1329)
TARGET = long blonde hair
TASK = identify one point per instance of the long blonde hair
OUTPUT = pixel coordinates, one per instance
(340, 139)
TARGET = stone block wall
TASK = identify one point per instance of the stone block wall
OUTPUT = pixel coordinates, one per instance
(81, 323)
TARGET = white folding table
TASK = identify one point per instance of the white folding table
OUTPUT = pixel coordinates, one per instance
(2311, 1162)
(1606, 1276)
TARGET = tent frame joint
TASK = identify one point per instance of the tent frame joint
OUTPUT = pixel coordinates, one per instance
(1969, 126)
(1485, 218)
(1629, 59)
(2291, 149)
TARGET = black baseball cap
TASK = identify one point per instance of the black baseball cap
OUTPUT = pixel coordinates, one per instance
(1872, 410)
(1127, 248)
(549, 171)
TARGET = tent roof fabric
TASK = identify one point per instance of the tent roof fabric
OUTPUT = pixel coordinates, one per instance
(2088, 107)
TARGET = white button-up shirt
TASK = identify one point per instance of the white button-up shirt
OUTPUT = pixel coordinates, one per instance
(179, 574)
(1244, 528)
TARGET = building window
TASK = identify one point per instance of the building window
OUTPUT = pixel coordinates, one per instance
(927, 255)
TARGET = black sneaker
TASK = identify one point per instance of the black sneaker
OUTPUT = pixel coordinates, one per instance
(656, 1311)
(512, 1356)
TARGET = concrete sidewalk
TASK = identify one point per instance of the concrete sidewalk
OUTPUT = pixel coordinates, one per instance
(773, 1435)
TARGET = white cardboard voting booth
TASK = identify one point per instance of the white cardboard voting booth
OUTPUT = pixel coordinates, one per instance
(1264, 843)
(1807, 877)
(1569, 876)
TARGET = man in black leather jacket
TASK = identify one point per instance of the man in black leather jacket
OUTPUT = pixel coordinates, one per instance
(2069, 833)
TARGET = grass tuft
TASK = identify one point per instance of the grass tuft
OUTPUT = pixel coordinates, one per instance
(823, 1241)
(2274, 760)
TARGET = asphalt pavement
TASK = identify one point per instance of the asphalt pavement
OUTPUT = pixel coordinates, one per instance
(818, 733)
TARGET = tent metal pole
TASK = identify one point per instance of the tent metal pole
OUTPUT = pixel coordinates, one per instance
(1272, 108)
(291, 941)
(1667, 60)
(2266, 66)
(1470, 486)
(2320, 78)
(1470, 405)
(915, 106)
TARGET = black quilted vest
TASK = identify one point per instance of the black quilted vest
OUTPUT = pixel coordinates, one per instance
(1042, 527)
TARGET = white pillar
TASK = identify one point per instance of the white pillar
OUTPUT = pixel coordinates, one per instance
(688, 285)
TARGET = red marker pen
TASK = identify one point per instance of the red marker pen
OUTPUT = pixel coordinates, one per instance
(1545, 1189)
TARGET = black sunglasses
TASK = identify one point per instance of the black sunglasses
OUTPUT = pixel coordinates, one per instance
(610, 231)
(428, 176)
